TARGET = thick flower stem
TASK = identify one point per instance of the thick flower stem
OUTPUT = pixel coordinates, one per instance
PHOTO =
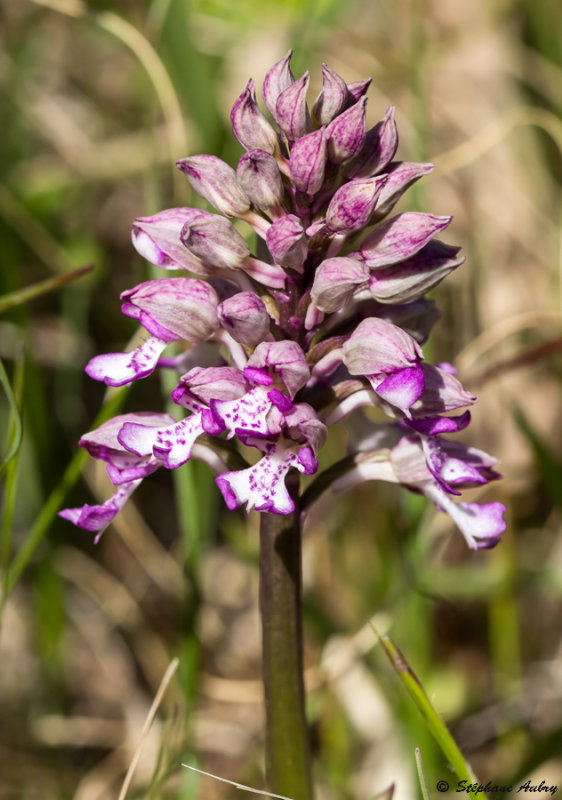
(287, 748)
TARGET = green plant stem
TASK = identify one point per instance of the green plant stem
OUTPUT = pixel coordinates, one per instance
(287, 749)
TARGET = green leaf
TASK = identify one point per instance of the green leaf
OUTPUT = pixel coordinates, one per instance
(434, 721)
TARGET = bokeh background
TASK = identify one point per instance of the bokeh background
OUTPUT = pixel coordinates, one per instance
(99, 99)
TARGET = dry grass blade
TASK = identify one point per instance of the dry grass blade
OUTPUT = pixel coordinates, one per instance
(146, 727)
(235, 784)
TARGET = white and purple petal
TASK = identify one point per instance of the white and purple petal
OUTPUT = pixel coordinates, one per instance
(96, 518)
(172, 445)
(263, 486)
(117, 369)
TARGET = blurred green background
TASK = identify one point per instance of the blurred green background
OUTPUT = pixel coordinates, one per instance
(98, 101)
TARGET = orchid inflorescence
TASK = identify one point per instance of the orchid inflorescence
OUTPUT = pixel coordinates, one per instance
(327, 317)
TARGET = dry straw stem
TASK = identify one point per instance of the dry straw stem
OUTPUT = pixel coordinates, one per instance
(235, 784)
(146, 727)
(469, 358)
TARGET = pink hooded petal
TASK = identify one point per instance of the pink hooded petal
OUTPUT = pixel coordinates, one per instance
(377, 346)
(249, 125)
(287, 360)
(216, 181)
(291, 110)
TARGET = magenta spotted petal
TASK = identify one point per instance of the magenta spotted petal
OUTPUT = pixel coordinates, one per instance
(254, 414)
(117, 369)
(172, 445)
(263, 486)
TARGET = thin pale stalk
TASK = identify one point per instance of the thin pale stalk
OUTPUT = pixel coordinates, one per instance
(287, 747)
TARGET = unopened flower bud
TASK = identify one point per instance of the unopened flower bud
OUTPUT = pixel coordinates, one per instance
(357, 89)
(335, 281)
(278, 78)
(346, 134)
(400, 237)
(174, 308)
(331, 99)
(307, 161)
(259, 176)
(216, 242)
(399, 177)
(157, 239)
(245, 318)
(249, 125)
(352, 205)
(410, 279)
(216, 182)
(381, 143)
(291, 111)
(287, 242)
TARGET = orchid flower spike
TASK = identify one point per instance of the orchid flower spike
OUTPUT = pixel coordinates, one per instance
(328, 315)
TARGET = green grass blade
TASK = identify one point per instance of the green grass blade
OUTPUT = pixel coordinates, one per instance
(14, 299)
(10, 486)
(434, 722)
(421, 775)
(17, 428)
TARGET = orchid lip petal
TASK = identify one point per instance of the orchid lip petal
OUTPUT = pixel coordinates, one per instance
(254, 414)
(118, 369)
(263, 486)
(481, 525)
(96, 518)
(172, 445)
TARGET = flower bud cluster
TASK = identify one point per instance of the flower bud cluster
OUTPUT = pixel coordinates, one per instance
(327, 317)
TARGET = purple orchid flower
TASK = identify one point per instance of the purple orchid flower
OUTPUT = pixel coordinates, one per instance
(328, 316)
